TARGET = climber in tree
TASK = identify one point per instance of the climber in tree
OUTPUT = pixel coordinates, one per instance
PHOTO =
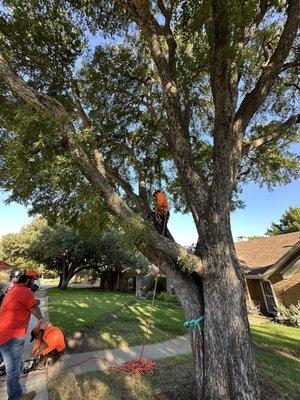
(160, 214)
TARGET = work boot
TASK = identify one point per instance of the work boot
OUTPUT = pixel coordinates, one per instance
(28, 396)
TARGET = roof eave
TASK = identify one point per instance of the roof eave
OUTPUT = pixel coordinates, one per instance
(281, 261)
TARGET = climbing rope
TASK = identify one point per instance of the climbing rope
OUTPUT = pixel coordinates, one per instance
(195, 323)
(144, 366)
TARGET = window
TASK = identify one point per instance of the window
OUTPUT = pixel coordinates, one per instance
(269, 296)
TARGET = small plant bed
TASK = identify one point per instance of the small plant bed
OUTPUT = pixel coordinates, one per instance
(174, 380)
(93, 320)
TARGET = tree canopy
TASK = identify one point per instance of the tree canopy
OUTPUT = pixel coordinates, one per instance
(289, 222)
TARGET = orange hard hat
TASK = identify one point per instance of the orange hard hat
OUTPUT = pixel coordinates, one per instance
(31, 273)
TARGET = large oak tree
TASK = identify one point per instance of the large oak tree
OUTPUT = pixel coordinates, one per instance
(117, 97)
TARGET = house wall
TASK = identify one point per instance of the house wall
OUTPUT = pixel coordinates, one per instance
(287, 291)
(256, 294)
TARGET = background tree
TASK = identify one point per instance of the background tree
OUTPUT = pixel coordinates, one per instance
(289, 222)
(197, 97)
(14, 246)
(67, 252)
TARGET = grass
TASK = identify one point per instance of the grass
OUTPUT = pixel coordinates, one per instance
(95, 320)
(282, 371)
(276, 336)
(74, 309)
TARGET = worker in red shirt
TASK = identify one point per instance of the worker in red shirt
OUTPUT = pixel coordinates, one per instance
(49, 344)
(17, 306)
(160, 214)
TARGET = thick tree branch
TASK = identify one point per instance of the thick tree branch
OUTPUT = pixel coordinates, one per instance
(278, 131)
(47, 106)
(224, 83)
(257, 96)
(172, 45)
(39, 101)
(223, 78)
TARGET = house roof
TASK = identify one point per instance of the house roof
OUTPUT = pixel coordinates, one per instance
(259, 254)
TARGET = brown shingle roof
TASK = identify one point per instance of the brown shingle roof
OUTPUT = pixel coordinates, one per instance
(259, 253)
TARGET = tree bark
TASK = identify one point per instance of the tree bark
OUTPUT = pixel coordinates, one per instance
(229, 363)
(63, 284)
(65, 277)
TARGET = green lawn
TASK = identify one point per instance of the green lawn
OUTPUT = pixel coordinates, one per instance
(74, 309)
(93, 320)
(280, 337)
(282, 372)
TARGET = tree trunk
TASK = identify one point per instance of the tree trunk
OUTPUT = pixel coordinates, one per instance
(142, 282)
(65, 277)
(229, 363)
(63, 283)
(230, 370)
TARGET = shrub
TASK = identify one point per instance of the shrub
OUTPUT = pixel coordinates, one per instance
(289, 315)
(169, 298)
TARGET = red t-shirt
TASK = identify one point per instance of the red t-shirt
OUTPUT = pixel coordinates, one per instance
(15, 312)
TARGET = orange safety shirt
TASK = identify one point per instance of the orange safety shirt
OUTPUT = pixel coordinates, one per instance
(54, 338)
(15, 312)
(161, 201)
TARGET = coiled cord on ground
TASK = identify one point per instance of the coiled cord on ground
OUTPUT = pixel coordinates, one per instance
(139, 367)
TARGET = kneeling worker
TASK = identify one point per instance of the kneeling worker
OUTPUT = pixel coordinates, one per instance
(49, 344)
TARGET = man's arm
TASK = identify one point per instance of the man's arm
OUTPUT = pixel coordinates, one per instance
(36, 311)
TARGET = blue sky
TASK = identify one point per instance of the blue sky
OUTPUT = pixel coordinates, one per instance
(262, 207)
